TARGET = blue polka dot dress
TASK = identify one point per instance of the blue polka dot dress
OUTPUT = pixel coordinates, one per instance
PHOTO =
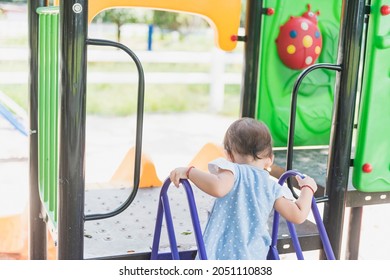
(237, 228)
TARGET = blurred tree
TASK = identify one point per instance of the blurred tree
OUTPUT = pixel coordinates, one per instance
(120, 17)
(179, 22)
(164, 20)
(243, 13)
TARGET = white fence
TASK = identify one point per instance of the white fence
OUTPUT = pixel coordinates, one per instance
(217, 77)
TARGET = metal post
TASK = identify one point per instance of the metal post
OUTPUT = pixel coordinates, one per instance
(353, 242)
(37, 227)
(350, 45)
(251, 58)
(72, 91)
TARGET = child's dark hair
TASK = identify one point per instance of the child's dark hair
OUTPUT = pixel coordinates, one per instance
(248, 136)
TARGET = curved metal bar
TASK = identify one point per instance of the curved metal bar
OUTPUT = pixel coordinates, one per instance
(273, 253)
(170, 227)
(288, 174)
(321, 228)
(157, 231)
(294, 97)
(195, 220)
(138, 140)
(294, 237)
(164, 207)
(159, 219)
(295, 240)
(291, 227)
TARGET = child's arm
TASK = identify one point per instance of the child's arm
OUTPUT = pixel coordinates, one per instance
(217, 185)
(297, 211)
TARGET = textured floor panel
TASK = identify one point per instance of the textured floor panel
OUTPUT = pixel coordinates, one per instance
(132, 231)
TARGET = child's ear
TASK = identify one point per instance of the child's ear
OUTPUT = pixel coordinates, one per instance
(228, 155)
(269, 162)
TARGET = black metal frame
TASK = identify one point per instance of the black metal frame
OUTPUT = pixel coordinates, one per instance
(37, 226)
(350, 42)
(72, 124)
(251, 58)
(73, 41)
(138, 138)
(291, 128)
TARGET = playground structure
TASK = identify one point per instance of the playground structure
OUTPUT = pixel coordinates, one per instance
(273, 254)
(62, 194)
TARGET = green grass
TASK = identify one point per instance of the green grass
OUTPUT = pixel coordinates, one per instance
(121, 100)
(231, 106)
(147, 67)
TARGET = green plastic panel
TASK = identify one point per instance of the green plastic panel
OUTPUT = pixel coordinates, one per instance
(48, 109)
(371, 171)
(276, 80)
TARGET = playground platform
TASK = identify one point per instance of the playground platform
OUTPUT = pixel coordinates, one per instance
(170, 140)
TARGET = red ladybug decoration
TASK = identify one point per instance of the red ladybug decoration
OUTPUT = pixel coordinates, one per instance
(299, 42)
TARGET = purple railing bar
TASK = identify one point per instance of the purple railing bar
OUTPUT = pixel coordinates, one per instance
(195, 220)
(321, 228)
(170, 227)
(320, 225)
(157, 231)
(295, 240)
(164, 208)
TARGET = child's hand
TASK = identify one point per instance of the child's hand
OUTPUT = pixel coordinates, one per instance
(307, 181)
(177, 174)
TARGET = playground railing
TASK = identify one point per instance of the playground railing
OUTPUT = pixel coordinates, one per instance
(48, 115)
(273, 253)
(164, 208)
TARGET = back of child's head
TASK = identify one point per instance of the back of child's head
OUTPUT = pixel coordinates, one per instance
(247, 136)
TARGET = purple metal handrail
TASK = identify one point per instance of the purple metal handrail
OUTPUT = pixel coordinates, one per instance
(163, 207)
(273, 252)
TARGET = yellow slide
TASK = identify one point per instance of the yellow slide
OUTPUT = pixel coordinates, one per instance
(124, 174)
(223, 15)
